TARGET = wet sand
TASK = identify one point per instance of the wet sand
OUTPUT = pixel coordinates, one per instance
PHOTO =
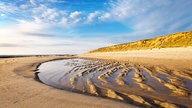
(18, 89)
(167, 72)
(141, 85)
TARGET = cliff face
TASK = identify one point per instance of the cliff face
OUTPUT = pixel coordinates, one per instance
(181, 39)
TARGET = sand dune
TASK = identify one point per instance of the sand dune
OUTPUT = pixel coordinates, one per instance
(180, 39)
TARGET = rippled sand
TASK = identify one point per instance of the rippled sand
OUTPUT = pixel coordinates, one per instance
(18, 89)
(141, 85)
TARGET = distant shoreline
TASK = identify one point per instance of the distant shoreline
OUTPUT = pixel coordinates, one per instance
(14, 56)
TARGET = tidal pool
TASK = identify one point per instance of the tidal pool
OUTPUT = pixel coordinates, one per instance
(127, 82)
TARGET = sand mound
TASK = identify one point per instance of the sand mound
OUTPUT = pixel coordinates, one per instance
(181, 39)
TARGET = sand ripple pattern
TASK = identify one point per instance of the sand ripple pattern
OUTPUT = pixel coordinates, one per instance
(140, 85)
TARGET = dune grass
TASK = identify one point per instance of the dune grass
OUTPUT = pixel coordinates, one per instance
(181, 39)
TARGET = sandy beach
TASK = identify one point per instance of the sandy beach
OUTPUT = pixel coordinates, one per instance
(108, 77)
(95, 54)
(171, 57)
(175, 63)
(18, 89)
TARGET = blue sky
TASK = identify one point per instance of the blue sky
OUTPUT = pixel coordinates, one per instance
(77, 26)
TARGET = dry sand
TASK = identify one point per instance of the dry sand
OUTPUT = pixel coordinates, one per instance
(170, 57)
(18, 89)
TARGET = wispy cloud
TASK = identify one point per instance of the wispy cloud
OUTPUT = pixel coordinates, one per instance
(37, 23)
(57, 1)
(38, 34)
(8, 45)
(7, 7)
(2, 14)
(23, 40)
(33, 2)
(152, 16)
(53, 16)
(139, 15)
(30, 26)
(105, 16)
(75, 14)
(93, 16)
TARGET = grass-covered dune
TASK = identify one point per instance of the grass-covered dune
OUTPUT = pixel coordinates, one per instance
(181, 39)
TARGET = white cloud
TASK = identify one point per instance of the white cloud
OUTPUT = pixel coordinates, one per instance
(152, 16)
(75, 21)
(33, 2)
(21, 43)
(50, 14)
(24, 6)
(123, 9)
(57, 1)
(91, 17)
(144, 18)
(39, 9)
(105, 16)
(37, 19)
(2, 15)
(70, 19)
(55, 17)
(75, 14)
(64, 21)
(26, 26)
(27, 43)
(46, 15)
(7, 7)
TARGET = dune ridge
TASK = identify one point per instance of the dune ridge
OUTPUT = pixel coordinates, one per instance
(181, 39)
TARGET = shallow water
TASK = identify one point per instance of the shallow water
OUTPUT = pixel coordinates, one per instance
(130, 83)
